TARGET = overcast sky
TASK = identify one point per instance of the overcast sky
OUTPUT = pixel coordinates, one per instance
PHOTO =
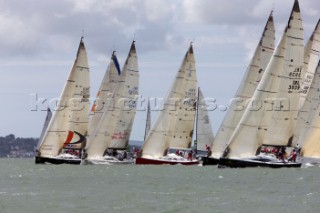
(39, 40)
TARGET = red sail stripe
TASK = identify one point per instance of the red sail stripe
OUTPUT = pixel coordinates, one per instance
(69, 138)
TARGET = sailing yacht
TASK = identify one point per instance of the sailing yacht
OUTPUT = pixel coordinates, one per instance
(273, 111)
(110, 133)
(245, 91)
(173, 126)
(66, 133)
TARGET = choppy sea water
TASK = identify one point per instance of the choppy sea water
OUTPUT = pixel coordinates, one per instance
(29, 188)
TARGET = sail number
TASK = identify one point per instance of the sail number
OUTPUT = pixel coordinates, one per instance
(295, 85)
(134, 91)
(85, 93)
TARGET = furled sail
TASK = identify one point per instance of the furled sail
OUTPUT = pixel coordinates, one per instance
(69, 124)
(173, 126)
(246, 89)
(122, 104)
(279, 85)
(204, 134)
(311, 137)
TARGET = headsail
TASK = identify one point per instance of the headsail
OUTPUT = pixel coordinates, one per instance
(71, 115)
(204, 129)
(45, 125)
(246, 89)
(280, 82)
(173, 125)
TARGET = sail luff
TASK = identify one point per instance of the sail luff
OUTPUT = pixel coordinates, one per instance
(249, 83)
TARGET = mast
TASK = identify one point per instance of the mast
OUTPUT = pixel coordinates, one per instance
(196, 123)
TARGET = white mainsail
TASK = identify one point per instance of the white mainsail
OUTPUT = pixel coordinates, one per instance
(311, 137)
(311, 58)
(173, 126)
(204, 134)
(246, 89)
(148, 120)
(71, 115)
(279, 84)
(126, 107)
(114, 114)
(105, 93)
